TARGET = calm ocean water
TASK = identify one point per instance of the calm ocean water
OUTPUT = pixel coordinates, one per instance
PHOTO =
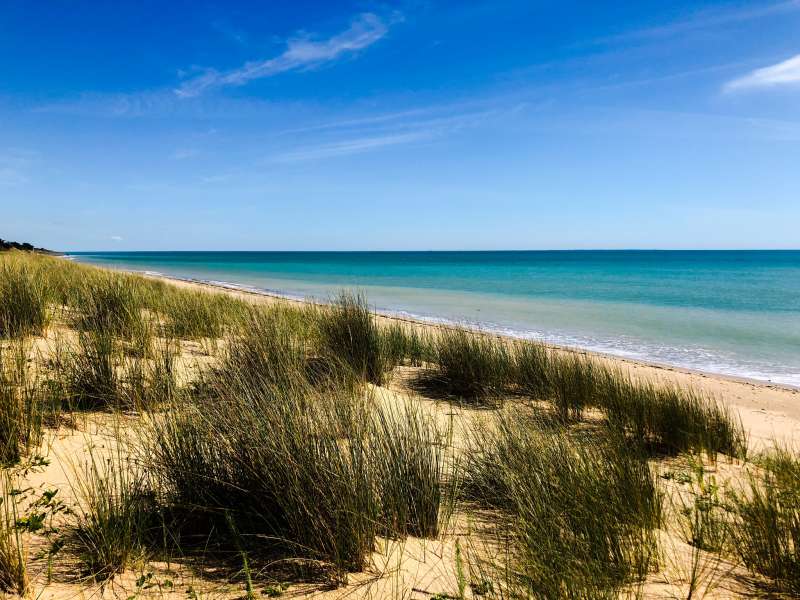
(731, 312)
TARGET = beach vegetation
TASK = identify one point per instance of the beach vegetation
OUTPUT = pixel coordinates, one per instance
(115, 519)
(766, 524)
(24, 298)
(469, 365)
(580, 513)
(21, 404)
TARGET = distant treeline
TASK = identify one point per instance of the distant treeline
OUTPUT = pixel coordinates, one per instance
(6, 245)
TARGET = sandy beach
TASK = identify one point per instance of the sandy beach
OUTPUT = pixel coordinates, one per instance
(113, 429)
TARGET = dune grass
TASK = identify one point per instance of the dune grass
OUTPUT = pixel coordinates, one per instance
(13, 559)
(348, 332)
(198, 314)
(670, 419)
(306, 467)
(766, 524)
(470, 366)
(115, 516)
(21, 405)
(580, 513)
(24, 298)
(407, 453)
(111, 306)
(278, 451)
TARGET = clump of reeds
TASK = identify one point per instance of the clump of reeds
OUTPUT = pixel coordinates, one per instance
(579, 514)
(23, 300)
(13, 559)
(471, 365)
(280, 453)
(111, 305)
(408, 454)
(349, 333)
(766, 524)
(88, 375)
(402, 343)
(274, 462)
(199, 314)
(669, 418)
(114, 518)
(662, 417)
(150, 381)
(21, 405)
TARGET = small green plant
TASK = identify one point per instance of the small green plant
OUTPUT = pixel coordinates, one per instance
(409, 459)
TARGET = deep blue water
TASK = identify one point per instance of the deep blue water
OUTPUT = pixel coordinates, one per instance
(733, 312)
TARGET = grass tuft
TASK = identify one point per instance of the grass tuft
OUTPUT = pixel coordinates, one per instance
(24, 300)
(470, 365)
(115, 517)
(580, 514)
(766, 530)
(349, 334)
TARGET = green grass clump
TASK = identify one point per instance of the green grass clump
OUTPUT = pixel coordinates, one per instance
(13, 560)
(349, 333)
(24, 300)
(88, 376)
(115, 518)
(198, 314)
(274, 462)
(580, 513)
(267, 459)
(766, 527)
(470, 365)
(668, 418)
(408, 455)
(21, 405)
(111, 305)
(402, 343)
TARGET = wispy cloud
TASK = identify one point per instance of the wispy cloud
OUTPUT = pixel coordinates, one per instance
(708, 18)
(302, 52)
(352, 146)
(357, 136)
(783, 73)
(116, 238)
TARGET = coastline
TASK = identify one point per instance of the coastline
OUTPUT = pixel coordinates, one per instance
(770, 411)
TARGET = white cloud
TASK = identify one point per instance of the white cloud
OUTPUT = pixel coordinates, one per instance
(117, 238)
(780, 74)
(709, 18)
(357, 136)
(301, 53)
(353, 146)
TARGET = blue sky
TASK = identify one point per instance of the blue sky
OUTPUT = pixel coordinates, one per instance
(409, 125)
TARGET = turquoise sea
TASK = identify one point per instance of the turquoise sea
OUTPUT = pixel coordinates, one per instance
(730, 312)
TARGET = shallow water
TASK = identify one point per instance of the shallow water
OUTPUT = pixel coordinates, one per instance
(730, 312)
